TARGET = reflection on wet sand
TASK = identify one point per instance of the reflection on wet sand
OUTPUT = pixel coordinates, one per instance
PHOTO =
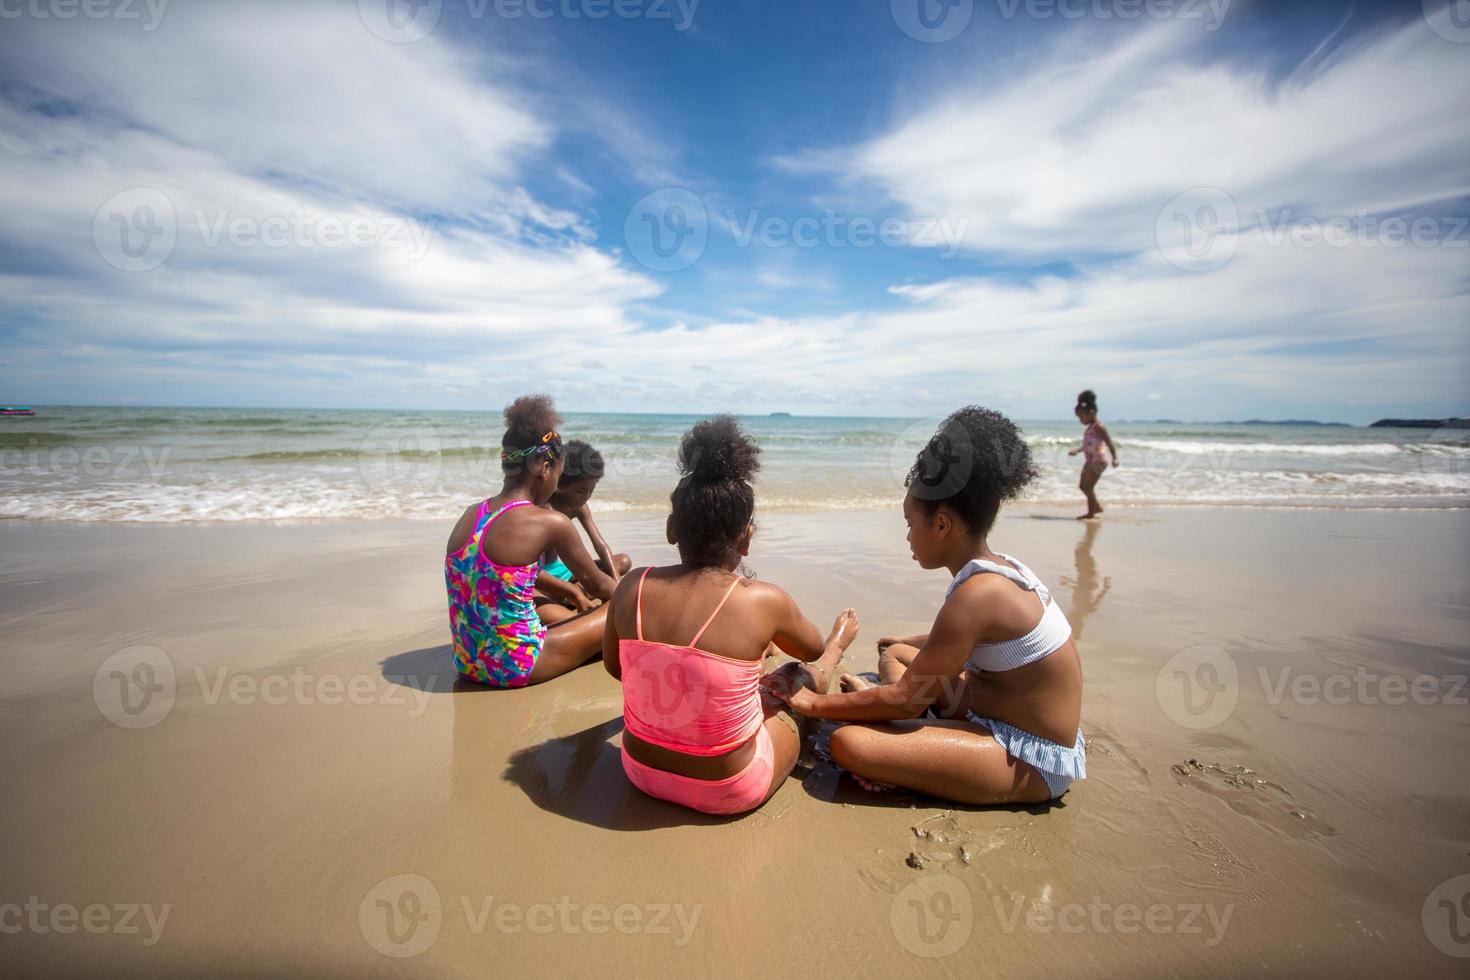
(1087, 589)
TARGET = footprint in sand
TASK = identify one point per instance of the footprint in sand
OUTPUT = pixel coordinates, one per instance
(1246, 792)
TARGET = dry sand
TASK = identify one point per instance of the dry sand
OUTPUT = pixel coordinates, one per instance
(1295, 818)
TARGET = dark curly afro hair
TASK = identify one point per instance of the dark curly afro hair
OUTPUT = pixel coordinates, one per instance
(714, 502)
(583, 463)
(975, 462)
(527, 420)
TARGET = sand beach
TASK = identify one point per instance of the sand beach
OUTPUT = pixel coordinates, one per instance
(300, 787)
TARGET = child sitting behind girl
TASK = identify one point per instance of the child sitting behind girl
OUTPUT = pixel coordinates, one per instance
(559, 595)
(999, 668)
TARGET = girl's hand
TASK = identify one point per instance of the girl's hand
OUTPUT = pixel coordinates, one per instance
(580, 600)
(885, 642)
(1115, 461)
(799, 700)
(1073, 452)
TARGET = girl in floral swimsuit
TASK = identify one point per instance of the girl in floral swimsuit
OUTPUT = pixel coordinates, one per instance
(494, 553)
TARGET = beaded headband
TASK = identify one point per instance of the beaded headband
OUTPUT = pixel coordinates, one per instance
(550, 443)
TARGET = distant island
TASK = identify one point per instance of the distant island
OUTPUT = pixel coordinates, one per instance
(1421, 424)
(780, 415)
(1335, 425)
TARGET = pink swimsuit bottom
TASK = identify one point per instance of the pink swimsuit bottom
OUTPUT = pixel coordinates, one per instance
(688, 700)
(743, 791)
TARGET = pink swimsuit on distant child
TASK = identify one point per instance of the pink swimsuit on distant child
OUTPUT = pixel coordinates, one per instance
(1094, 449)
(699, 703)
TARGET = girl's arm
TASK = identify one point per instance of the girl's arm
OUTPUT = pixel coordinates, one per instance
(940, 660)
(610, 635)
(568, 544)
(796, 636)
(562, 591)
(599, 543)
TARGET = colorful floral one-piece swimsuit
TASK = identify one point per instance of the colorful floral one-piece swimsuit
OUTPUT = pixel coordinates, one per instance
(492, 610)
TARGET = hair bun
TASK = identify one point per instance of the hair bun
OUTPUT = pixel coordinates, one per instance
(1087, 398)
(717, 450)
(530, 417)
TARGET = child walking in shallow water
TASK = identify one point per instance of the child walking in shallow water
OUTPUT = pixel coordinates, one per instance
(1097, 450)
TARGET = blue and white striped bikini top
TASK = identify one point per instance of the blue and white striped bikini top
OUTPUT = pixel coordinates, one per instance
(1048, 636)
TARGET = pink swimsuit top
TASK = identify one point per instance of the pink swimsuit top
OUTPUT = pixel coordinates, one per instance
(1093, 447)
(686, 699)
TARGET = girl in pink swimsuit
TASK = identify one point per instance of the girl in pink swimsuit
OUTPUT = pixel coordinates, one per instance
(688, 642)
(494, 553)
(1097, 450)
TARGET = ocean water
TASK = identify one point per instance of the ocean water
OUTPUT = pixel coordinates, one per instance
(169, 464)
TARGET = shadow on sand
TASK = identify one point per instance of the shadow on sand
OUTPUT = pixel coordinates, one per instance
(580, 776)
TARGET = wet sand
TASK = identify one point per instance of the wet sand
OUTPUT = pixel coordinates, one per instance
(1279, 765)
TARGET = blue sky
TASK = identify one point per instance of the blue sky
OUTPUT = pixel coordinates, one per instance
(1200, 209)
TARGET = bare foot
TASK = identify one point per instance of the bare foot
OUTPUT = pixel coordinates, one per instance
(844, 630)
(1088, 517)
(848, 683)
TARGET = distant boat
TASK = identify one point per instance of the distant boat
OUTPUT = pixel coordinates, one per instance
(17, 410)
